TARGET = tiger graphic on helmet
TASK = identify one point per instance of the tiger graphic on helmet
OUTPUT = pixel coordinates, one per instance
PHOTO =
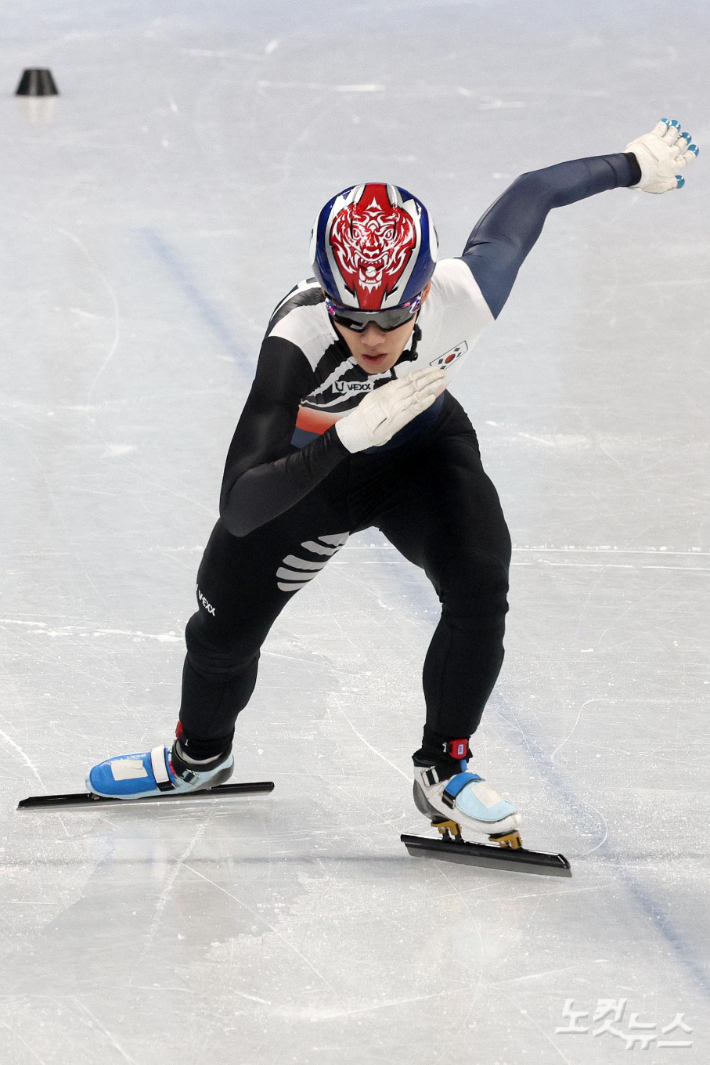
(372, 241)
(373, 247)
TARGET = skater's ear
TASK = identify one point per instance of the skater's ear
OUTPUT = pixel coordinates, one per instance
(426, 290)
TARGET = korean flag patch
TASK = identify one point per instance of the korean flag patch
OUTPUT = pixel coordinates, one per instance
(452, 356)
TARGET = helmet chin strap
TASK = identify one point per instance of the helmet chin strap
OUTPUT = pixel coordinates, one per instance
(410, 354)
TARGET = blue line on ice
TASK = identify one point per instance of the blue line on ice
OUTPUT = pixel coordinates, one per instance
(559, 783)
(209, 314)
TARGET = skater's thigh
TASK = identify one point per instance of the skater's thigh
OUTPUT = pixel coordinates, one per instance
(243, 583)
(446, 515)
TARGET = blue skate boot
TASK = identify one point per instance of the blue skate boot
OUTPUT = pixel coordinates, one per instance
(158, 772)
(453, 798)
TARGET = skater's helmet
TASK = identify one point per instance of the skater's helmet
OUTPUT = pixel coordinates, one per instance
(373, 247)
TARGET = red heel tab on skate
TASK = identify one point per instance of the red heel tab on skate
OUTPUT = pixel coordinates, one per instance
(458, 749)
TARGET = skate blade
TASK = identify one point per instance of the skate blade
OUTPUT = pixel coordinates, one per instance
(87, 798)
(463, 852)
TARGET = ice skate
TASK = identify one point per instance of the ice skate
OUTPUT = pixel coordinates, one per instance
(163, 774)
(457, 800)
(157, 772)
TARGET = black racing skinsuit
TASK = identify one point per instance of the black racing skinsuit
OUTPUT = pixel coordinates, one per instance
(286, 510)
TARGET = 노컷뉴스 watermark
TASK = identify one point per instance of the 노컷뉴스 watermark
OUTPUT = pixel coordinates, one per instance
(608, 1017)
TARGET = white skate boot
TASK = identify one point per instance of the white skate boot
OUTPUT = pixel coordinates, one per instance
(157, 772)
(455, 800)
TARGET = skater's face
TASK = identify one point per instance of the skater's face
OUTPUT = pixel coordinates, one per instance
(374, 349)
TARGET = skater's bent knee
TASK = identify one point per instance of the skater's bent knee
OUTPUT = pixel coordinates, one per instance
(480, 585)
(217, 658)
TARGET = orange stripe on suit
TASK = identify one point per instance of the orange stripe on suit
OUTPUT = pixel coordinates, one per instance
(315, 421)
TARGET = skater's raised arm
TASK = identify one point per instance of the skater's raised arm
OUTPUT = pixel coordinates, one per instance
(502, 238)
(500, 241)
(264, 475)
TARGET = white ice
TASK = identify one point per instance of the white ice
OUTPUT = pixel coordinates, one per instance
(150, 221)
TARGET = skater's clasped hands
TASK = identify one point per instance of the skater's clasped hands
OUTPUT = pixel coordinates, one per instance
(387, 409)
(661, 154)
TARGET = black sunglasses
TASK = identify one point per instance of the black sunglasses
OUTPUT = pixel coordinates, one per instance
(388, 320)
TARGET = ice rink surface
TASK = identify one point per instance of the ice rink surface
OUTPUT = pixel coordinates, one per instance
(151, 219)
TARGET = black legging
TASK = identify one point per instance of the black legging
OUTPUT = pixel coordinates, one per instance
(433, 501)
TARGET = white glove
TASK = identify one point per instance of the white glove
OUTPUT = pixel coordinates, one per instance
(661, 154)
(387, 409)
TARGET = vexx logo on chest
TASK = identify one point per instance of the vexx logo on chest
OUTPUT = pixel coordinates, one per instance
(353, 386)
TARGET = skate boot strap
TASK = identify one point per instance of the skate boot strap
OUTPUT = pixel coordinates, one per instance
(456, 785)
(161, 772)
(179, 767)
(167, 765)
(435, 774)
